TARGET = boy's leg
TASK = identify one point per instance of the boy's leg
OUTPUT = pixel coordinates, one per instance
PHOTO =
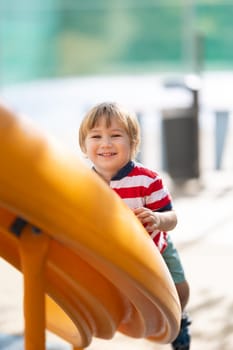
(183, 340)
(183, 293)
(172, 259)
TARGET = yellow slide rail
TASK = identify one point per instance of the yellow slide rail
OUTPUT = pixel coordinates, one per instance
(89, 267)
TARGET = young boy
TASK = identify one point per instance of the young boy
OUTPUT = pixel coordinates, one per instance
(110, 137)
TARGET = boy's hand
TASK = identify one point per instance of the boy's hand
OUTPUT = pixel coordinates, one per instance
(149, 218)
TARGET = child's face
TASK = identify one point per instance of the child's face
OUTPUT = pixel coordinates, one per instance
(108, 148)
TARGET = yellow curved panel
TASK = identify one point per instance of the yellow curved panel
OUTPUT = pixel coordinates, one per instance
(122, 283)
(94, 306)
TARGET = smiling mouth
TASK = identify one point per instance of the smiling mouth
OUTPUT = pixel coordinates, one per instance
(107, 154)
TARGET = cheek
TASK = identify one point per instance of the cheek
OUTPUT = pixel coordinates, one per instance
(87, 147)
(127, 145)
(126, 149)
(90, 148)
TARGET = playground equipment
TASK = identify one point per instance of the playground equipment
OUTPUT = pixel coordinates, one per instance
(90, 269)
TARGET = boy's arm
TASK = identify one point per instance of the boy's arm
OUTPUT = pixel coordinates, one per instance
(166, 220)
(154, 220)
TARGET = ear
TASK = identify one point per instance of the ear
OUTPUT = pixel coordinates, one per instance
(83, 148)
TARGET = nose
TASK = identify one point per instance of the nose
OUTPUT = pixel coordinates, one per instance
(106, 141)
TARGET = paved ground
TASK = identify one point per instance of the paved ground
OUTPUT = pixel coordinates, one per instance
(205, 241)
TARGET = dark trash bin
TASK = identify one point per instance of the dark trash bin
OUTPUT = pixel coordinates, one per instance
(180, 132)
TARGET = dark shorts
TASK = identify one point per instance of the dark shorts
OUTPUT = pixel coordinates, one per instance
(173, 262)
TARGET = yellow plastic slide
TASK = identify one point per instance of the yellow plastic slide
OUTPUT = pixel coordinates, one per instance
(90, 268)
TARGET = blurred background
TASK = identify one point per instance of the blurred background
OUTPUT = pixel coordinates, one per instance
(171, 61)
(54, 38)
(140, 53)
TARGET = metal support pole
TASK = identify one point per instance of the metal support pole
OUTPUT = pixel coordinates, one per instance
(33, 252)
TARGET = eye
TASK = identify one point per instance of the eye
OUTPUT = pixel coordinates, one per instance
(95, 137)
(116, 135)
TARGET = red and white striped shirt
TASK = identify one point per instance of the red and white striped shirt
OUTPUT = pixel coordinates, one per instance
(141, 187)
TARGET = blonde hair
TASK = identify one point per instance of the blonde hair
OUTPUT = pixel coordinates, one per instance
(110, 111)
